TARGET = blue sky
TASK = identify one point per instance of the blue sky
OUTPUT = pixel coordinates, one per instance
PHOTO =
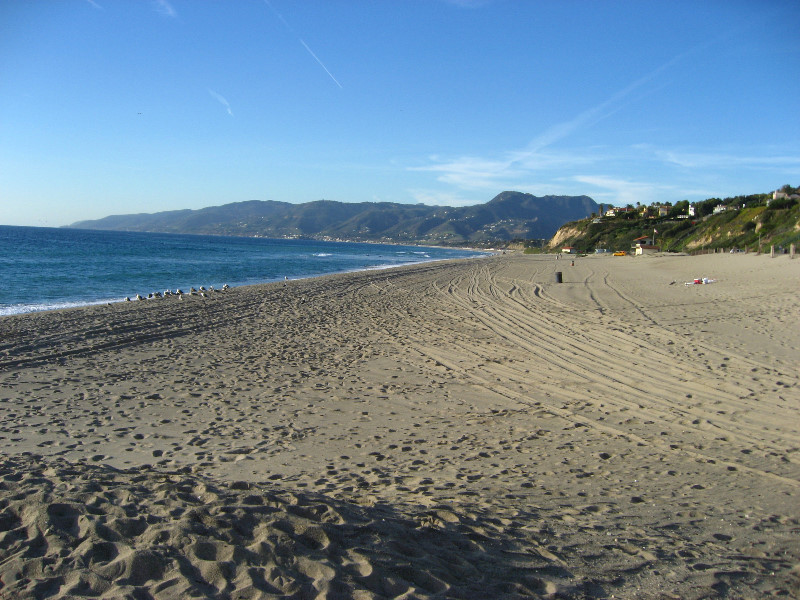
(123, 106)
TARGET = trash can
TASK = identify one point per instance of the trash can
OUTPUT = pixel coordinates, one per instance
(558, 276)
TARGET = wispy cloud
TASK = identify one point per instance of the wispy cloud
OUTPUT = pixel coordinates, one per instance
(299, 39)
(620, 175)
(600, 111)
(471, 172)
(701, 160)
(165, 8)
(622, 191)
(434, 198)
(221, 99)
(478, 172)
(95, 4)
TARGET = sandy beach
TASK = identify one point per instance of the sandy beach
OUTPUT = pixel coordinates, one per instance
(464, 429)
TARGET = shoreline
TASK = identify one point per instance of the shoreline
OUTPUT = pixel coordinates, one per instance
(110, 296)
(449, 428)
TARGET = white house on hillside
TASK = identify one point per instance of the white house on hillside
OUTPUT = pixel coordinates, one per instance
(614, 211)
(778, 195)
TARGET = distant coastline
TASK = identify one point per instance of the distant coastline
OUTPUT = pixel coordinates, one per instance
(508, 216)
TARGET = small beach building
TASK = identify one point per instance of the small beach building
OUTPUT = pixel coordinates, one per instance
(569, 250)
(644, 245)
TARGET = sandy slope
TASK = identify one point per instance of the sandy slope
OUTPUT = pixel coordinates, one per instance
(465, 429)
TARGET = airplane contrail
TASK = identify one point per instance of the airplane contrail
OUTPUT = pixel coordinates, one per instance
(320, 63)
(279, 15)
(310, 51)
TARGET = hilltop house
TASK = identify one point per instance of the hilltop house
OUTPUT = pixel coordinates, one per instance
(654, 211)
(614, 211)
(778, 195)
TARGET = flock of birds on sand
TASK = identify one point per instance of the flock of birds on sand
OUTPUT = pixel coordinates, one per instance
(201, 291)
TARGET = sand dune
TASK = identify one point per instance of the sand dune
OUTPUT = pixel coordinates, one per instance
(468, 429)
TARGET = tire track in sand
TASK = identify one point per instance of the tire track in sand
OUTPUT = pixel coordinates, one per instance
(590, 363)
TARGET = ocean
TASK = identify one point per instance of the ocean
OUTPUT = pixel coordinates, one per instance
(46, 268)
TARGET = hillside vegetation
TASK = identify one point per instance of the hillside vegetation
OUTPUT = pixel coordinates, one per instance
(743, 222)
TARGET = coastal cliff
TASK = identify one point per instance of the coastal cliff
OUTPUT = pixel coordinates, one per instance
(756, 222)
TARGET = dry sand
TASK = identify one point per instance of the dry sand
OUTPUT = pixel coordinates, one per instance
(467, 429)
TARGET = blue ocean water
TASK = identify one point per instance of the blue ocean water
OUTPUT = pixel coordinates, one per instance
(46, 268)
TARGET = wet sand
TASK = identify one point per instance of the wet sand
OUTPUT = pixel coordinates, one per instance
(467, 429)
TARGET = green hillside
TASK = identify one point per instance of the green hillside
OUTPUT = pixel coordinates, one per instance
(738, 222)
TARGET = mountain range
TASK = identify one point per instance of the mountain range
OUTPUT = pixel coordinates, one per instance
(508, 216)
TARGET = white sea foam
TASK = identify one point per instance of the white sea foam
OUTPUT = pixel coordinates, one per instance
(19, 309)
